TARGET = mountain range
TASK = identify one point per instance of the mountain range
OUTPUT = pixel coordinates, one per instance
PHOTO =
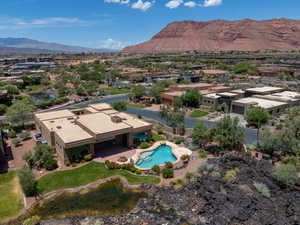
(29, 46)
(221, 35)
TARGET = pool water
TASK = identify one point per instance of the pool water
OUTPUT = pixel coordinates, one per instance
(158, 156)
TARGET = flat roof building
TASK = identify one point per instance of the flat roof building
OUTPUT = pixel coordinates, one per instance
(263, 91)
(67, 131)
(241, 106)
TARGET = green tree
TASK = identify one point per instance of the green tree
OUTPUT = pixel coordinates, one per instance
(192, 98)
(257, 117)
(173, 117)
(12, 89)
(229, 133)
(201, 134)
(155, 91)
(138, 91)
(20, 112)
(120, 105)
(27, 181)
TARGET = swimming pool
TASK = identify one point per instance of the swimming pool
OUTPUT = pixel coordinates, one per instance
(158, 156)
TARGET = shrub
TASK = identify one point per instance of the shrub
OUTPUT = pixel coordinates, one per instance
(169, 165)
(206, 167)
(286, 174)
(123, 159)
(159, 129)
(24, 135)
(185, 157)
(177, 141)
(179, 181)
(120, 106)
(263, 189)
(51, 164)
(292, 160)
(27, 181)
(16, 141)
(168, 173)
(88, 157)
(3, 109)
(202, 154)
(145, 145)
(156, 169)
(230, 175)
(34, 220)
(11, 133)
(190, 176)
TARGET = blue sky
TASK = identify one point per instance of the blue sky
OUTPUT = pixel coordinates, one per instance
(117, 23)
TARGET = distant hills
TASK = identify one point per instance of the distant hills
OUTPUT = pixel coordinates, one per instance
(221, 35)
(28, 46)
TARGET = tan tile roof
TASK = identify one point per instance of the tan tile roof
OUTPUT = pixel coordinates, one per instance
(54, 115)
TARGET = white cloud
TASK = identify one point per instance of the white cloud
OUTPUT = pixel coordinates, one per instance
(190, 4)
(123, 2)
(112, 44)
(20, 23)
(140, 4)
(208, 3)
(174, 4)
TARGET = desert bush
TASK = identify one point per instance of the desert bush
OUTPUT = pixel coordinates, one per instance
(202, 154)
(159, 129)
(24, 135)
(16, 141)
(262, 189)
(230, 175)
(11, 133)
(185, 157)
(34, 220)
(88, 157)
(169, 165)
(27, 181)
(292, 160)
(145, 145)
(206, 167)
(177, 140)
(168, 173)
(51, 164)
(156, 169)
(286, 174)
(179, 181)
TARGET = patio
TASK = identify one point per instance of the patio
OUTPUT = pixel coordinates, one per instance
(112, 153)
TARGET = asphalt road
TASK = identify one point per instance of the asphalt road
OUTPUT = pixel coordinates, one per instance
(250, 135)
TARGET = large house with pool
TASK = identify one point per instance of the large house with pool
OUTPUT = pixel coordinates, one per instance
(88, 130)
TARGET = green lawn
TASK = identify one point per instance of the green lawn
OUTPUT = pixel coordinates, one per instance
(11, 200)
(198, 113)
(115, 90)
(87, 174)
(136, 105)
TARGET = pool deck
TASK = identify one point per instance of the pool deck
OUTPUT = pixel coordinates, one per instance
(178, 152)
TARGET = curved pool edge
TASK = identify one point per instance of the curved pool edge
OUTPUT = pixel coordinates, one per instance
(177, 151)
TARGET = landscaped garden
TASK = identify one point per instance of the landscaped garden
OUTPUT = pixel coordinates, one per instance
(198, 114)
(87, 174)
(11, 201)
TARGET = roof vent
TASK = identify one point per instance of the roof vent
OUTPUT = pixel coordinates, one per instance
(116, 119)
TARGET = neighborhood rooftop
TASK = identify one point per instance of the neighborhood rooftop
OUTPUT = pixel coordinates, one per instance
(264, 103)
